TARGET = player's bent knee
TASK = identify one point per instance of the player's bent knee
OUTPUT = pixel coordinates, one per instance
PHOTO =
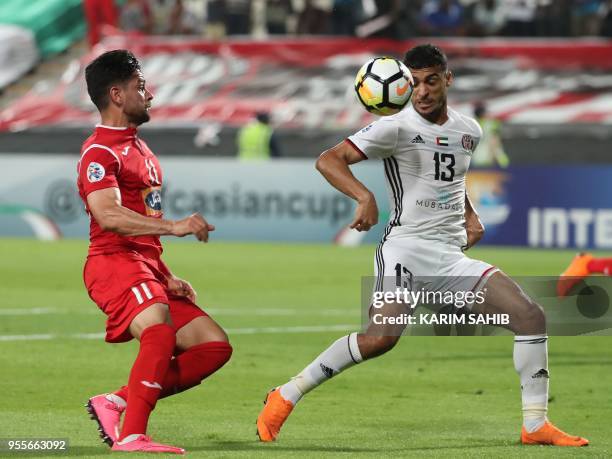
(530, 319)
(221, 336)
(198, 331)
(204, 360)
(536, 314)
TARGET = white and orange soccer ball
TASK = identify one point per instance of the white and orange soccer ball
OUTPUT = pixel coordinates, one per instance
(384, 86)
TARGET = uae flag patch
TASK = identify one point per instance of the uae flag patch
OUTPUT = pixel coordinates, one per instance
(442, 141)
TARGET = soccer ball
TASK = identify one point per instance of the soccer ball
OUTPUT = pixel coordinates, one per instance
(384, 86)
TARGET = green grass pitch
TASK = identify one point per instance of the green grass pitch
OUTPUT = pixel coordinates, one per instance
(429, 397)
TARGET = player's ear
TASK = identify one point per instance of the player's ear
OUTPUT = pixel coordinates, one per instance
(116, 95)
(449, 78)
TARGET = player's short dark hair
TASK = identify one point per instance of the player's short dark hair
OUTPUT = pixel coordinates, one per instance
(106, 70)
(424, 56)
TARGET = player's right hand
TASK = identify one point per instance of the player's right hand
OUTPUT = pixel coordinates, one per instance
(194, 224)
(366, 214)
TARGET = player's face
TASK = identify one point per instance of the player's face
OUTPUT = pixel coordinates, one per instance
(430, 86)
(137, 100)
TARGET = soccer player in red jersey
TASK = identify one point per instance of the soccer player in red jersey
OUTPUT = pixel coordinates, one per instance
(120, 181)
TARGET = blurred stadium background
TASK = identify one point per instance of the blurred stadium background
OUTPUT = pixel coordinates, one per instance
(542, 70)
(550, 95)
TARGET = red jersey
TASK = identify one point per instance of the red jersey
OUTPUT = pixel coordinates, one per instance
(116, 157)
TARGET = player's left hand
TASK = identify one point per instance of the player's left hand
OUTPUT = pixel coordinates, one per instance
(181, 287)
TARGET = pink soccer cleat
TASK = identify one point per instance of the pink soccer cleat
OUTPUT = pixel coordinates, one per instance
(144, 444)
(107, 414)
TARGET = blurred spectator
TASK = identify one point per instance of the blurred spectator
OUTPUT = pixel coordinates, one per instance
(606, 25)
(215, 19)
(158, 17)
(136, 16)
(520, 18)
(488, 18)
(99, 13)
(490, 151)
(553, 18)
(237, 17)
(586, 17)
(257, 140)
(313, 19)
(345, 16)
(442, 17)
(396, 19)
(277, 15)
(408, 23)
(181, 20)
(384, 18)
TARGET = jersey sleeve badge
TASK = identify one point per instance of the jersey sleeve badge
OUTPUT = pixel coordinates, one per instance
(152, 198)
(95, 172)
(467, 142)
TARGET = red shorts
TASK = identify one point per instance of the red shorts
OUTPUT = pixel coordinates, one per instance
(125, 283)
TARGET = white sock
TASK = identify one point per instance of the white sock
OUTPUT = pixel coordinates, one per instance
(531, 363)
(342, 354)
(116, 399)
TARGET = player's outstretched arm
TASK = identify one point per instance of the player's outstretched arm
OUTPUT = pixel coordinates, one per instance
(473, 225)
(334, 164)
(105, 206)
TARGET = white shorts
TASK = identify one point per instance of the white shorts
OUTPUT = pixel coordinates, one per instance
(430, 265)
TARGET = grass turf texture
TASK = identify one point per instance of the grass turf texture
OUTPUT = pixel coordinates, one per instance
(430, 397)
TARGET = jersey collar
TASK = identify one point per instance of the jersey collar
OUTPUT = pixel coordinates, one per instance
(426, 122)
(124, 132)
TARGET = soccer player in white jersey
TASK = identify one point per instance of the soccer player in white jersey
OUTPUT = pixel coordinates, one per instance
(425, 150)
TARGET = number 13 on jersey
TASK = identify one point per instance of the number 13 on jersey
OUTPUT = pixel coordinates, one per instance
(444, 166)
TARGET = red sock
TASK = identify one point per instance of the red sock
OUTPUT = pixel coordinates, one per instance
(191, 367)
(600, 265)
(148, 372)
(123, 392)
(195, 364)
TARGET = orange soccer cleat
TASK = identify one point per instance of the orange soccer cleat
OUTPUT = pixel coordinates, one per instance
(574, 273)
(274, 414)
(550, 435)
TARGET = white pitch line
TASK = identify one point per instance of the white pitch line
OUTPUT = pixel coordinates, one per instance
(27, 311)
(26, 337)
(230, 331)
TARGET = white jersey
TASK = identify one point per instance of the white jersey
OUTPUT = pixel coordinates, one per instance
(425, 167)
